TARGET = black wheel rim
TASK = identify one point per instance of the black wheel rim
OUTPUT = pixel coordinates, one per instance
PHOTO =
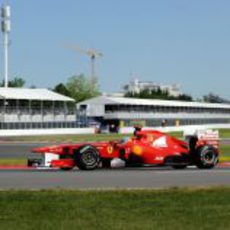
(209, 158)
(89, 158)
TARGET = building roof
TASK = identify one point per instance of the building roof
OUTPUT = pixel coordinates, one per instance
(32, 94)
(136, 101)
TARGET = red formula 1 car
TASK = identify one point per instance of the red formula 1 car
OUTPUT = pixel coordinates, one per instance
(145, 148)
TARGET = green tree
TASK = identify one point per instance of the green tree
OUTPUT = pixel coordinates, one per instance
(17, 82)
(185, 97)
(158, 94)
(61, 88)
(214, 98)
(79, 88)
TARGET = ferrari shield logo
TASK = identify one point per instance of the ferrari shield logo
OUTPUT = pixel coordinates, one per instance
(110, 149)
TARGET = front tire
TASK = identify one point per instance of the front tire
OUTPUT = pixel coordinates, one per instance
(86, 157)
(206, 157)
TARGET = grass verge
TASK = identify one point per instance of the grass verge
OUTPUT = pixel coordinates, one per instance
(143, 209)
(13, 161)
(66, 138)
(225, 153)
(224, 133)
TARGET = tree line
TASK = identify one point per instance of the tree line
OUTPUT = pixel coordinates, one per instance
(81, 88)
(77, 87)
(158, 94)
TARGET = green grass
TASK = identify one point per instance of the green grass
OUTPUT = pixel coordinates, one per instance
(13, 161)
(224, 133)
(72, 138)
(66, 138)
(162, 209)
(225, 149)
(225, 153)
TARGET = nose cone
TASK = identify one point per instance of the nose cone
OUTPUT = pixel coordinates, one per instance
(48, 149)
(40, 149)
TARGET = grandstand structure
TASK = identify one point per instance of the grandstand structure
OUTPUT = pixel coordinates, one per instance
(126, 112)
(22, 108)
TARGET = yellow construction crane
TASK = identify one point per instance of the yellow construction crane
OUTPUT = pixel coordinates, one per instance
(93, 54)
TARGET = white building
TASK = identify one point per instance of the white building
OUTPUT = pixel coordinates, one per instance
(126, 112)
(136, 86)
(22, 108)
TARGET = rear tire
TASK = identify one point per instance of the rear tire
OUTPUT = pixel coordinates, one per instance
(86, 157)
(206, 157)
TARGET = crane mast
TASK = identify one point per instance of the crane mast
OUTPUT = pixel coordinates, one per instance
(93, 54)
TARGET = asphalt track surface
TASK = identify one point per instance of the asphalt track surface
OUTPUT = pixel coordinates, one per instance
(17, 150)
(20, 150)
(127, 178)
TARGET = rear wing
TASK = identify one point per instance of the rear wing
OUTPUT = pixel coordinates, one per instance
(209, 137)
(204, 137)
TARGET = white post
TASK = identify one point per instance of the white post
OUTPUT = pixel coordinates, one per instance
(6, 71)
(5, 11)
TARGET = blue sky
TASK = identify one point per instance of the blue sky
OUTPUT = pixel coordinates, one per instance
(166, 41)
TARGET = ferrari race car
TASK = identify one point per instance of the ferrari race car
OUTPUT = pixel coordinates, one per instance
(145, 148)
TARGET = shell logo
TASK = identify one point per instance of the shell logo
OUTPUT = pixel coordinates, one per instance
(110, 149)
(137, 150)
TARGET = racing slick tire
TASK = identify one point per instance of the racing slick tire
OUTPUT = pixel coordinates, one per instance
(86, 157)
(206, 157)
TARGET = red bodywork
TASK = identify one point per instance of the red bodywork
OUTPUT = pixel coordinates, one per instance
(148, 147)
